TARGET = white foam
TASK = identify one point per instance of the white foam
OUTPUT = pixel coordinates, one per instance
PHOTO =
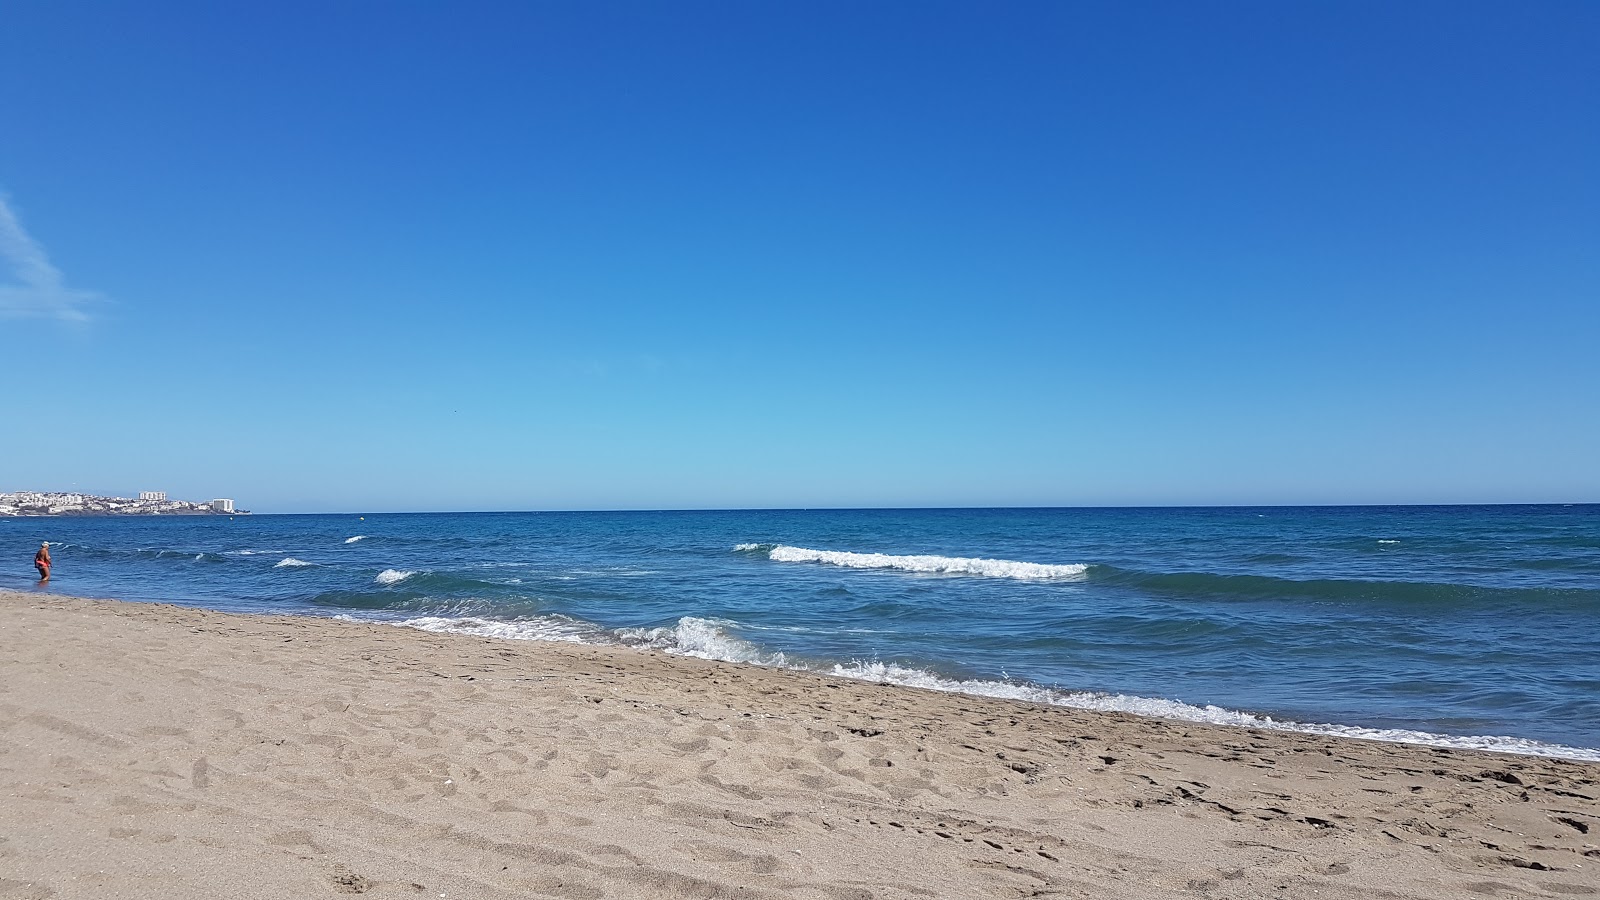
(392, 576)
(703, 638)
(1212, 715)
(942, 565)
(744, 548)
(691, 636)
(352, 540)
(709, 639)
(1381, 541)
(290, 562)
(534, 628)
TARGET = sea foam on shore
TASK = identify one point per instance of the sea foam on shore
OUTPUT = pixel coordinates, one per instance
(709, 639)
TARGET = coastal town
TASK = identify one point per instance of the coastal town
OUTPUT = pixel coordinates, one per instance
(148, 503)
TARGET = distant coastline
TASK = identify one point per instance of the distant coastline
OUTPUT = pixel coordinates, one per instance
(149, 503)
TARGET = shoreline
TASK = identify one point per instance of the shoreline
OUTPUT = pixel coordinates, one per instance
(1354, 628)
(157, 751)
(738, 652)
(1176, 711)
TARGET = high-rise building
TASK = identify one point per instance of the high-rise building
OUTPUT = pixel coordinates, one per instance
(158, 496)
(222, 506)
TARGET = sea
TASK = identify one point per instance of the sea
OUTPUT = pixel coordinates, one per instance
(1451, 626)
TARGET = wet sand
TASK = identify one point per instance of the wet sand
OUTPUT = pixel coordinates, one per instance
(151, 751)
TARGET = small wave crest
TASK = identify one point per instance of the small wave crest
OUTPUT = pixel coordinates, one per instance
(289, 562)
(392, 576)
(532, 628)
(352, 540)
(703, 638)
(938, 565)
(690, 636)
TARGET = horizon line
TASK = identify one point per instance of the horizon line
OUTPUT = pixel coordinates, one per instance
(714, 509)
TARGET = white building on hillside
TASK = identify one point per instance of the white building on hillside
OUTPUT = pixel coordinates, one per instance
(158, 496)
(225, 506)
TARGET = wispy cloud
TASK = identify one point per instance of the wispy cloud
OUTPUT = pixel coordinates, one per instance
(30, 287)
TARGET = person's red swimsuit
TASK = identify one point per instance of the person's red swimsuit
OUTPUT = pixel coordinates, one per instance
(42, 563)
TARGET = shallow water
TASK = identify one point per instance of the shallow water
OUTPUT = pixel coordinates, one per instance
(1466, 626)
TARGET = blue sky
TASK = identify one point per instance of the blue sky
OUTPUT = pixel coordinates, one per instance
(408, 256)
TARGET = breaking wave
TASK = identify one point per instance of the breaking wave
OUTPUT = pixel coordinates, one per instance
(690, 636)
(289, 562)
(352, 540)
(939, 565)
(392, 576)
(702, 638)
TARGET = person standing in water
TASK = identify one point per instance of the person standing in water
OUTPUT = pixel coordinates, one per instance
(41, 561)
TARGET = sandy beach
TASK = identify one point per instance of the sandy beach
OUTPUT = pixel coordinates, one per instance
(152, 751)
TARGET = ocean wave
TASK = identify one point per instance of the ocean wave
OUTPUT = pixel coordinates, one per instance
(1382, 541)
(1192, 585)
(610, 572)
(352, 540)
(383, 601)
(939, 565)
(702, 638)
(290, 562)
(689, 636)
(118, 553)
(531, 628)
(392, 576)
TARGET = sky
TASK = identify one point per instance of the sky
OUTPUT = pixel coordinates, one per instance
(364, 256)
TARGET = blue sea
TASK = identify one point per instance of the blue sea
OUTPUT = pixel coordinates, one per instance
(1466, 626)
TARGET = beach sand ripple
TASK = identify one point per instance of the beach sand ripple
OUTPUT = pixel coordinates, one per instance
(150, 751)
